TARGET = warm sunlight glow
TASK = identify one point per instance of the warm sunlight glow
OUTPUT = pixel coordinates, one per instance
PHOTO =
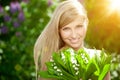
(114, 6)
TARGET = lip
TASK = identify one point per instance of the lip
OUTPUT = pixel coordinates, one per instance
(74, 41)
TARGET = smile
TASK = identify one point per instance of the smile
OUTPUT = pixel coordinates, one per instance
(74, 41)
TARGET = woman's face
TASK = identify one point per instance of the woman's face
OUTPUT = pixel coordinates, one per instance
(73, 34)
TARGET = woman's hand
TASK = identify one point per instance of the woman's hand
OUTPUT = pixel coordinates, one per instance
(107, 77)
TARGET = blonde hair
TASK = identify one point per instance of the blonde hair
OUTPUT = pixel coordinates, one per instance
(49, 40)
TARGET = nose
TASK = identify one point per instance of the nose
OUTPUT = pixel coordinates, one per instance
(74, 34)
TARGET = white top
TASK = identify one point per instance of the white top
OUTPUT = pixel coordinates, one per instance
(92, 52)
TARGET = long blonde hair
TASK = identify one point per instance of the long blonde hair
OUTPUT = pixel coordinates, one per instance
(49, 40)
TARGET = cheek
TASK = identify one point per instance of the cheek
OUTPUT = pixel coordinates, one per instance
(65, 34)
(82, 31)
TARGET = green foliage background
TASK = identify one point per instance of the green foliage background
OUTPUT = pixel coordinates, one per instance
(16, 45)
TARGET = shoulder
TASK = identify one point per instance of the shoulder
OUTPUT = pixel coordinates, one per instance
(92, 52)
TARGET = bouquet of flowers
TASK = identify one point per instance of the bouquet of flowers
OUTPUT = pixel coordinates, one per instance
(75, 65)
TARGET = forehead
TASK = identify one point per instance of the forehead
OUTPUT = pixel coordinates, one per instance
(80, 19)
(76, 20)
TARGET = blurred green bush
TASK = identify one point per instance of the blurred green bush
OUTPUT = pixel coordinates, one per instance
(21, 22)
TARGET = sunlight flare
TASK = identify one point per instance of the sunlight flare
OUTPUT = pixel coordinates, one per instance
(114, 6)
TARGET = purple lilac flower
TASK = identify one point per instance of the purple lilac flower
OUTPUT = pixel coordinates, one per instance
(21, 16)
(4, 30)
(16, 24)
(1, 9)
(14, 7)
(7, 18)
(49, 2)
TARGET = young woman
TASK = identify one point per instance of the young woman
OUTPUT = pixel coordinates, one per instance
(67, 28)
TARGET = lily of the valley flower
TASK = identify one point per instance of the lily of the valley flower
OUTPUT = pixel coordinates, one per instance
(70, 65)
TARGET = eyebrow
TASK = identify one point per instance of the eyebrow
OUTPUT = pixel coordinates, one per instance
(80, 25)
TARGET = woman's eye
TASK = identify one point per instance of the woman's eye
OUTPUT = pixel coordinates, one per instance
(78, 26)
(66, 28)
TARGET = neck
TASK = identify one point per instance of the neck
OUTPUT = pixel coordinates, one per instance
(76, 49)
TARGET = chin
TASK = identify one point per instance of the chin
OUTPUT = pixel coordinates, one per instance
(76, 46)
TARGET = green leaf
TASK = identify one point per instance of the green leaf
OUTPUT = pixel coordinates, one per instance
(45, 74)
(91, 68)
(104, 71)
